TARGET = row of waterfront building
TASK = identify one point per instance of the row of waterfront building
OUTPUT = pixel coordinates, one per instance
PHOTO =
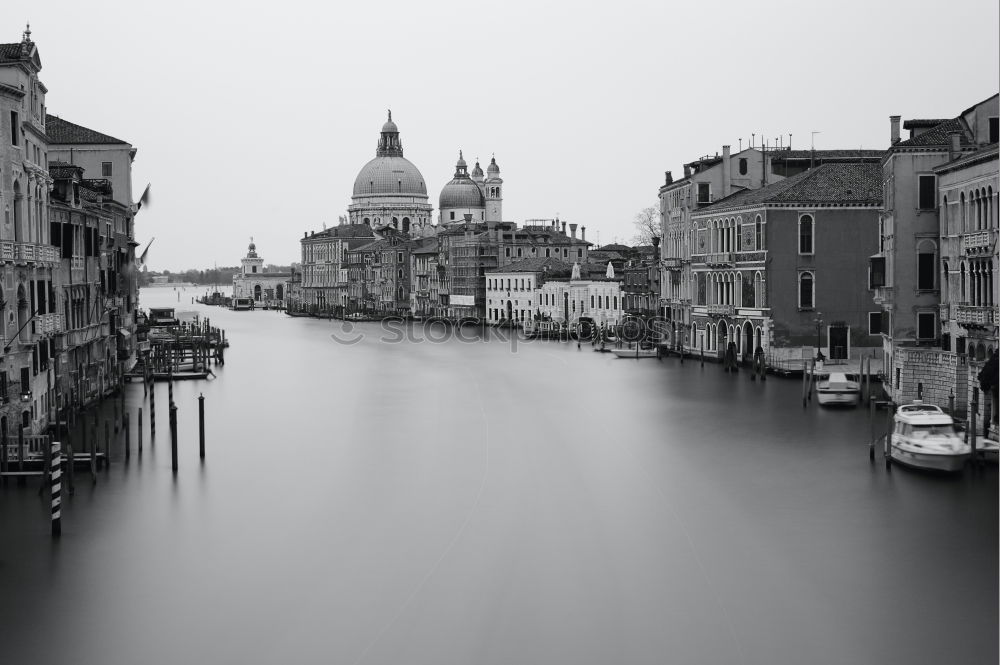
(844, 253)
(796, 254)
(67, 274)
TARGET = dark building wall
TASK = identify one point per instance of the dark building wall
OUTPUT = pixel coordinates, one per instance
(843, 241)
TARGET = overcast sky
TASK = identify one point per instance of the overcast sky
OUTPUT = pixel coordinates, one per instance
(253, 120)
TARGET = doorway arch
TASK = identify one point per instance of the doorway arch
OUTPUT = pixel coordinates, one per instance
(256, 292)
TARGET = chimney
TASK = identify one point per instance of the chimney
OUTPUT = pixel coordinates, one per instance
(955, 148)
(583, 233)
(670, 178)
(727, 176)
(687, 170)
(564, 228)
(656, 249)
(572, 231)
(894, 129)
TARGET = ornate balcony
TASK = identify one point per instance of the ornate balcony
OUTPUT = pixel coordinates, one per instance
(720, 259)
(721, 310)
(973, 315)
(50, 324)
(978, 242)
(28, 252)
(751, 257)
(673, 263)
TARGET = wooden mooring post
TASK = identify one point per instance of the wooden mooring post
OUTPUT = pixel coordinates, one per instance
(107, 445)
(139, 431)
(971, 428)
(201, 426)
(20, 454)
(173, 438)
(152, 412)
(128, 437)
(890, 412)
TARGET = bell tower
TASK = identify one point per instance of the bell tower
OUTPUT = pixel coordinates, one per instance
(252, 264)
(494, 192)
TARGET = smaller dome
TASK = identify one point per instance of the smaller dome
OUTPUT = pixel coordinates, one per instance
(493, 169)
(461, 193)
(460, 164)
(477, 172)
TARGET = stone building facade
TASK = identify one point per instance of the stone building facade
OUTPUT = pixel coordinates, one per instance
(266, 289)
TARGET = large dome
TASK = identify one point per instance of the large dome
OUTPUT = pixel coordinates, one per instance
(389, 175)
(461, 193)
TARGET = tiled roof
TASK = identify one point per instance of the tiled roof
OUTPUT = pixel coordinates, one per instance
(829, 183)
(828, 155)
(985, 153)
(537, 264)
(346, 231)
(938, 136)
(427, 246)
(10, 51)
(614, 247)
(917, 123)
(63, 131)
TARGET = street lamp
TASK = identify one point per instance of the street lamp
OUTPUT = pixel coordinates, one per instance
(819, 323)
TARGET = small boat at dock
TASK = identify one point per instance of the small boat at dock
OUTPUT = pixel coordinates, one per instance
(924, 437)
(635, 353)
(838, 389)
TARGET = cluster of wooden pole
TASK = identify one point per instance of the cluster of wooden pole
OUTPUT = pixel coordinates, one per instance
(94, 455)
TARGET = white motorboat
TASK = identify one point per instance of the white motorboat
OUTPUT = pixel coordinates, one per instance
(838, 389)
(924, 437)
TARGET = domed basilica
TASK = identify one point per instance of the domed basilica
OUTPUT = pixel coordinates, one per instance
(390, 191)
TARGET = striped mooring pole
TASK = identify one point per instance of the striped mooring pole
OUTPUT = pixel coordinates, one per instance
(56, 476)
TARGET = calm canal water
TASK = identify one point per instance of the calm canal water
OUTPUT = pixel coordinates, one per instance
(462, 503)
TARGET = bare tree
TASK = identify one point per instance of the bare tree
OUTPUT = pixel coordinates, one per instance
(647, 226)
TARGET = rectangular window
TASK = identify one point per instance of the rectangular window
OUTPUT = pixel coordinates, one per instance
(105, 169)
(925, 271)
(925, 325)
(928, 192)
(874, 323)
(704, 192)
(14, 126)
(994, 130)
(876, 272)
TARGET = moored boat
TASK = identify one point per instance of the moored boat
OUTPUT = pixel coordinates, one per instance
(838, 389)
(924, 437)
(635, 353)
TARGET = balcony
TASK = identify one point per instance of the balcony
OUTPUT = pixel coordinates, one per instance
(973, 315)
(673, 263)
(50, 324)
(720, 310)
(720, 259)
(28, 252)
(751, 257)
(883, 295)
(978, 242)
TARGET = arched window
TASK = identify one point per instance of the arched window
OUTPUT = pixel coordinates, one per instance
(743, 165)
(758, 233)
(807, 290)
(963, 217)
(806, 245)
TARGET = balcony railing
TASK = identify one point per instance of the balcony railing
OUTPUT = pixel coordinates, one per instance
(748, 257)
(978, 241)
(673, 262)
(883, 295)
(11, 250)
(976, 315)
(719, 258)
(721, 310)
(50, 324)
